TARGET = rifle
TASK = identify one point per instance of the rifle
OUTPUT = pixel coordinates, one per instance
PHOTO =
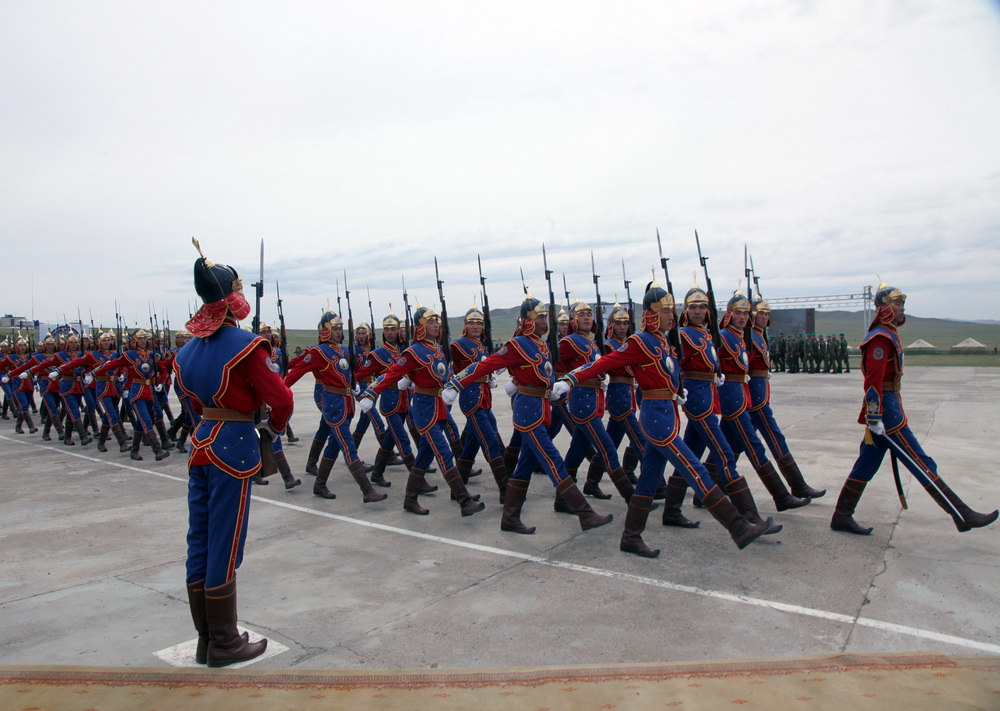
(553, 330)
(351, 355)
(628, 295)
(569, 305)
(524, 286)
(267, 464)
(675, 333)
(746, 271)
(407, 321)
(713, 311)
(600, 307)
(445, 339)
(281, 330)
(339, 313)
(371, 315)
(487, 321)
(756, 279)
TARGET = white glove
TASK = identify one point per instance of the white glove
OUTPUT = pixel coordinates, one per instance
(158, 387)
(5, 379)
(449, 395)
(265, 426)
(88, 378)
(493, 381)
(604, 384)
(365, 404)
(877, 428)
(54, 375)
(510, 388)
(682, 396)
(404, 383)
(560, 389)
(121, 378)
(720, 379)
(357, 389)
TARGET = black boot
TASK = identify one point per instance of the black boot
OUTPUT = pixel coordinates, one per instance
(672, 516)
(594, 473)
(575, 500)
(67, 433)
(162, 431)
(82, 431)
(136, 441)
(739, 494)
(289, 435)
(378, 468)
(466, 503)
(119, 434)
(28, 421)
(500, 476)
(965, 518)
(783, 500)
(517, 490)
(742, 531)
(322, 474)
(635, 523)
(314, 451)
(102, 438)
(413, 485)
(158, 452)
(368, 493)
(286, 471)
(225, 644)
(182, 435)
(630, 460)
(510, 455)
(790, 470)
(843, 514)
(17, 425)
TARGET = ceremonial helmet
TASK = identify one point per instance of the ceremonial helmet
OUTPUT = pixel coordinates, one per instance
(473, 315)
(695, 295)
(391, 320)
(5, 343)
(531, 308)
(363, 326)
(327, 321)
(72, 338)
(618, 314)
(563, 316)
(108, 336)
(140, 333)
(654, 301)
(760, 306)
(221, 290)
(421, 316)
(738, 303)
(885, 296)
(265, 328)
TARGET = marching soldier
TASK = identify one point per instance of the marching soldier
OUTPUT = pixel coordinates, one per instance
(20, 386)
(226, 374)
(104, 390)
(887, 427)
(621, 398)
(47, 388)
(422, 364)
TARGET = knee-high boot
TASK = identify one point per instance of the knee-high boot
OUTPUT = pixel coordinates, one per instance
(790, 470)
(289, 435)
(136, 441)
(92, 421)
(414, 482)
(500, 476)
(314, 450)
(517, 490)
(161, 429)
(965, 518)
(119, 433)
(635, 523)
(196, 601)
(378, 468)
(182, 435)
(81, 430)
(466, 503)
(425, 487)
(843, 514)
(29, 422)
(102, 438)
(783, 500)
(225, 643)
(630, 460)
(67, 432)
(280, 461)
(322, 474)
(368, 493)
(594, 473)
(742, 531)
(559, 504)
(672, 515)
(739, 494)
(624, 486)
(510, 455)
(17, 424)
(575, 500)
(158, 451)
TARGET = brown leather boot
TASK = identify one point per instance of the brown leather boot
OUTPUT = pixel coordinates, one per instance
(289, 435)
(464, 466)
(965, 518)
(500, 476)
(713, 473)
(102, 438)
(368, 493)
(225, 643)
(790, 470)
(314, 451)
(161, 429)
(413, 485)
(378, 468)
(158, 451)
(29, 422)
(281, 462)
(594, 473)
(466, 503)
(17, 424)
(575, 499)
(119, 433)
(425, 488)
(322, 474)
(672, 515)
(67, 432)
(624, 486)
(783, 500)
(517, 490)
(510, 455)
(182, 435)
(81, 429)
(196, 601)
(742, 531)
(136, 441)
(843, 514)
(559, 504)
(630, 460)
(739, 494)
(635, 523)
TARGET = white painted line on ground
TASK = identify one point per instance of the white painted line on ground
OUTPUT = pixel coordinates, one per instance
(182, 655)
(836, 617)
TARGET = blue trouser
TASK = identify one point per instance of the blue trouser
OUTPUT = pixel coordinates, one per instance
(434, 445)
(537, 450)
(481, 431)
(742, 437)
(218, 513)
(764, 422)
(916, 460)
(396, 434)
(72, 402)
(591, 435)
(660, 421)
(109, 405)
(707, 433)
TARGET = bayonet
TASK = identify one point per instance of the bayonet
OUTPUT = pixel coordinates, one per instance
(599, 316)
(713, 311)
(487, 320)
(445, 339)
(553, 330)
(351, 356)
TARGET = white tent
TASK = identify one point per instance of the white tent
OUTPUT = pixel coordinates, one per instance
(920, 343)
(970, 343)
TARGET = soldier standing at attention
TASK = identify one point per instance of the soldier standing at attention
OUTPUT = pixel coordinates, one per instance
(227, 376)
(887, 427)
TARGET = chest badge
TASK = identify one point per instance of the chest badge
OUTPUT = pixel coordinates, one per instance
(670, 365)
(712, 355)
(547, 369)
(342, 364)
(441, 369)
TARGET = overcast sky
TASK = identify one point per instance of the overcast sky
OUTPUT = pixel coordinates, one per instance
(839, 140)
